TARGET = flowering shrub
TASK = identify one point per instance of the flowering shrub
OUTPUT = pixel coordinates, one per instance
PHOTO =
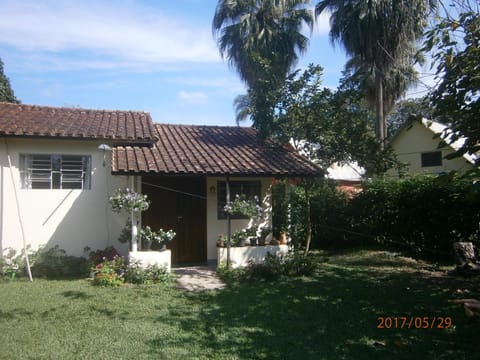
(128, 200)
(244, 207)
(98, 256)
(109, 272)
(9, 264)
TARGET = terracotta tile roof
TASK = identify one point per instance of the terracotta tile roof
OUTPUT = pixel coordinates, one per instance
(44, 121)
(210, 150)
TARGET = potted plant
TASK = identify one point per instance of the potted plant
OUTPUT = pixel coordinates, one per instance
(251, 233)
(221, 241)
(264, 234)
(160, 237)
(147, 236)
(239, 238)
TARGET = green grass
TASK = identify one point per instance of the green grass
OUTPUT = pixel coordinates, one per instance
(332, 315)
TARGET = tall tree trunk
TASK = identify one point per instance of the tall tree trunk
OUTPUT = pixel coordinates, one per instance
(380, 119)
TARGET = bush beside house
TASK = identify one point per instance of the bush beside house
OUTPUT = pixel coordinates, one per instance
(423, 214)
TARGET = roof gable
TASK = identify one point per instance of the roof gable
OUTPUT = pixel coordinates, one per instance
(439, 131)
(210, 150)
(21, 120)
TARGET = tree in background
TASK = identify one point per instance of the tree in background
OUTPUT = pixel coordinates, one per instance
(381, 38)
(6, 91)
(404, 110)
(328, 126)
(455, 43)
(262, 40)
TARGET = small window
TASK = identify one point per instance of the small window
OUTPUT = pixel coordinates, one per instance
(45, 171)
(247, 188)
(433, 158)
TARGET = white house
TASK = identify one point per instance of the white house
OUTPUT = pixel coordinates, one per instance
(420, 146)
(58, 167)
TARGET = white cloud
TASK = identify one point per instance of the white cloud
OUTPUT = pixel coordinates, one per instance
(193, 97)
(123, 33)
(322, 24)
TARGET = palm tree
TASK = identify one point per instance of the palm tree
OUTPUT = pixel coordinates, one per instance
(395, 82)
(381, 35)
(252, 31)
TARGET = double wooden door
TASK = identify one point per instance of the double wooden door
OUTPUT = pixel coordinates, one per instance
(179, 203)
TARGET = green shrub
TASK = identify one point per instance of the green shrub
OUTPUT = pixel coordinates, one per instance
(297, 264)
(331, 224)
(54, 263)
(423, 214)
(152, 274)
(272, 268)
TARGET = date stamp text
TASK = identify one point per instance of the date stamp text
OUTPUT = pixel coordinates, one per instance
(414, 322)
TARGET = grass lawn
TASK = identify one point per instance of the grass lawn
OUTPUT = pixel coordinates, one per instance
(332, 315)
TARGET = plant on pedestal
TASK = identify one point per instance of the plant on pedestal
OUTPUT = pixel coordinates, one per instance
(133, 203)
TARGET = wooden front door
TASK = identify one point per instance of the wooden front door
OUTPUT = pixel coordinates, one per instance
(179, 203)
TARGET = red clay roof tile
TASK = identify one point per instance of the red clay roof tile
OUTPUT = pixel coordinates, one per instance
(210, 150)
(45, 121)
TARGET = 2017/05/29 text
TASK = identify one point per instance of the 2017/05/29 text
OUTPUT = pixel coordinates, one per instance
(414, 322)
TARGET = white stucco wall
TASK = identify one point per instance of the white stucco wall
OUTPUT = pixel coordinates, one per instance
(72, 219)
(215, 227)
(412, 142)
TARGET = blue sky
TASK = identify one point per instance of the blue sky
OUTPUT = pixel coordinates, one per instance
(153, 55)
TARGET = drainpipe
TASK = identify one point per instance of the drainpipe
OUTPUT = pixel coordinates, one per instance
(19, 213)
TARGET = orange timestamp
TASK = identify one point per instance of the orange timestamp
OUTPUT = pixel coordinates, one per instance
(414, 322)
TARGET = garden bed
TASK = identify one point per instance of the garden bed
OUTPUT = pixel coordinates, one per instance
(242, 255)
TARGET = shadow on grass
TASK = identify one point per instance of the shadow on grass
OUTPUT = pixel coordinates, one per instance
(76, 295)
(333, 315)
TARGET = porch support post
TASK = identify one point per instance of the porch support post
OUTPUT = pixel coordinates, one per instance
(229, 223)
(133, 217)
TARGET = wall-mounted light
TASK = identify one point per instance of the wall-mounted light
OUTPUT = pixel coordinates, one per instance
(212, 189)
(105, 148)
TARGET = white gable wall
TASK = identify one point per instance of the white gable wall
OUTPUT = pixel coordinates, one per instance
(72, 219)
(412, 141)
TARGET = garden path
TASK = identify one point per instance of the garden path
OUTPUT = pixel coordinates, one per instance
(197, 278)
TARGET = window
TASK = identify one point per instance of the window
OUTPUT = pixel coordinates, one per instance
(44, 171)
(247, 188)
(433, 158)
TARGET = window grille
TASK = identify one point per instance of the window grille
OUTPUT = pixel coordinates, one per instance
(45, 171)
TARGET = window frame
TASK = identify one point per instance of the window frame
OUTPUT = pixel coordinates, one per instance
(249, 188)
(431, 159)
(51, 171)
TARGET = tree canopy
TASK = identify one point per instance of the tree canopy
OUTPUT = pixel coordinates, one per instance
(6, 91)
(455, 43)
(329, 126)
(262, 41)
(380, 38)
(251, 31)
